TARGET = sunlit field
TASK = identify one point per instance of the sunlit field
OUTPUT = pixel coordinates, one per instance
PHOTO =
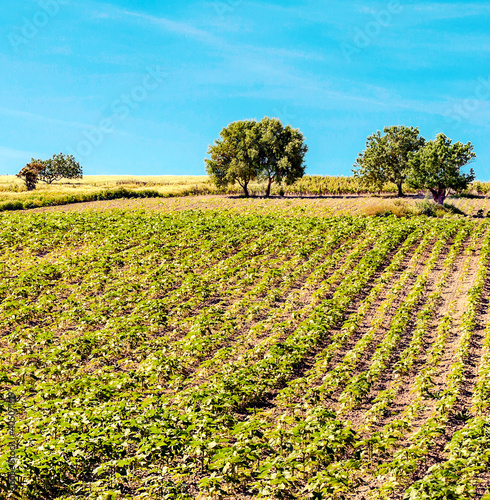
(11, 187)
(182, 353)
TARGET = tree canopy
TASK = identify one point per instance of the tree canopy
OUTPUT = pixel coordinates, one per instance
(281, 153)
(234, 156)
(437, 167)
(386, 157)
(249, 150)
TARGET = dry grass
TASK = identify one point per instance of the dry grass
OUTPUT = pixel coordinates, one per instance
(14, 196)
(13, 186)
(400, 208)
(412, 206)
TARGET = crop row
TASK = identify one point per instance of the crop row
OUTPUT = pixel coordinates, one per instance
(379, 443)
(198, 355)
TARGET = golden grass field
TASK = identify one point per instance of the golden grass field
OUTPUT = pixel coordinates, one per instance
(14, 196)
(13, 187)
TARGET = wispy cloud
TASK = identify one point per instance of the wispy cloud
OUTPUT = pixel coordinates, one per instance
(170, 26)
(19, 114)
(432, 10)
(188, 30)
(451, 10)
(174, 26)
(277, 53)
(16, 154)
(341, 14)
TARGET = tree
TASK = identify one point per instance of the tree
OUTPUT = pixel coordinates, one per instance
(281, 153)
(437, 166)
(30, 173)
(60, 166)
(234, 156)
(386, 157)
(248, 150)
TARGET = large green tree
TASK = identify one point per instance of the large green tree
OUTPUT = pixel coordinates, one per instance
(437, 167)
(281, 153)
(248, 150)
(60, 166)
(386, 157)
(234, 155)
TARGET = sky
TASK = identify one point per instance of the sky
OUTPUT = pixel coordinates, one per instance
(143, 87)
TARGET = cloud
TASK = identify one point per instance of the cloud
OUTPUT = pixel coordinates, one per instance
(266, 53)
(170, 26)
(18, 114)
(450, 10)
(16, 154)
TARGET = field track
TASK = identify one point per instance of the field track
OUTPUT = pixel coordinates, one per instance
(213, 354)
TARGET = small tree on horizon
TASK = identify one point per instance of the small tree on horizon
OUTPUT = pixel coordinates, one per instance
(386, 157)
(437, 166)
(60, 166)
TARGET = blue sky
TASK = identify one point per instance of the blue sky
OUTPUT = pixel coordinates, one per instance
(144, 86)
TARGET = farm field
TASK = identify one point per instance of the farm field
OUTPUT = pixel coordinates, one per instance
(281, 206)
(329, 189)
(194, 349)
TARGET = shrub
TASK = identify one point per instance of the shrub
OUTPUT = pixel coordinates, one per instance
(30, 174)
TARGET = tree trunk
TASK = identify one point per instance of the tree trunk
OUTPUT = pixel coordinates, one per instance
(268, 189)
(439, 195)
(245, 190)
(400, 191)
